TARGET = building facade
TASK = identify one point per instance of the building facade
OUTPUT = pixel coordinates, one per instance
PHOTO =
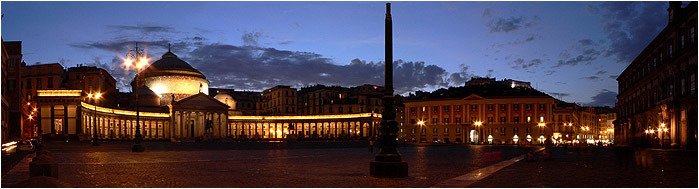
(477, 119)
(180, 110)
(658, 90)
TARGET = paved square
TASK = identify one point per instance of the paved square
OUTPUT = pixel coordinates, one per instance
(253, 164)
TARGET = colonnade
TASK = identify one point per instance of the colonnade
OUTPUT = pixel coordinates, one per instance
(279, 129)
(190, 124)
(111, 126)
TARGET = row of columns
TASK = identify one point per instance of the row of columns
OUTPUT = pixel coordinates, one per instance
(111, 127)
(190, 124)
(302, 129)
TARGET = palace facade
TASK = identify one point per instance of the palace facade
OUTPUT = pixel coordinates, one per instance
(657, 101)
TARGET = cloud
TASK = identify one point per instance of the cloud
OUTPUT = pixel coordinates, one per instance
(251, 39)
(459, 78)
(591, 78)
(586, 42)
(613, 77)
(142, 28)
(118, 45)
(257, 68)
(559, 95)
(601, 72)
(527, 39)
(506, 24)
(603, 98)
(586, 55)
(523, 64)
(629, 26)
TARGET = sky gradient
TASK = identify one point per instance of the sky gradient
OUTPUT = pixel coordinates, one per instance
(571, 50)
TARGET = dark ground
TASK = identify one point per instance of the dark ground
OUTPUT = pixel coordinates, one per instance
(595, 167)
(260, 164)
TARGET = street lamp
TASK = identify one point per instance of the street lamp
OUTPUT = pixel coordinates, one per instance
(94, 124)
(137, 59)
(478, 125)
(420, 123)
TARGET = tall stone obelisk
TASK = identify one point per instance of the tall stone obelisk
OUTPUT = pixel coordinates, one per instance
(388, 162)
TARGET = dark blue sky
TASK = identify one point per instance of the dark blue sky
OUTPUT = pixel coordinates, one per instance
(571, 50)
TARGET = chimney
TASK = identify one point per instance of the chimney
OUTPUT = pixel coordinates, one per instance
(674, 10)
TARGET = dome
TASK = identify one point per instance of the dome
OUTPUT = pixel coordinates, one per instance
(226, 99)
(172, 79)
(170, 64)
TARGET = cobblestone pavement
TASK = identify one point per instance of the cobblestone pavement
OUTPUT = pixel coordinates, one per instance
(18, 173)
(595, 167)
(253, 164)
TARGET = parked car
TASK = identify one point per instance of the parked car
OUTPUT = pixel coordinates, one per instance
(25, 145)
(36, 142)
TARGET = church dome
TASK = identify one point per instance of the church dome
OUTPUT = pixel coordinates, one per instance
(170, 64)
(172, 79)
(226, 99)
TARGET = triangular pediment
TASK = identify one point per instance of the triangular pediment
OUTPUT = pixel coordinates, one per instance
(200, 100)
(473, 97)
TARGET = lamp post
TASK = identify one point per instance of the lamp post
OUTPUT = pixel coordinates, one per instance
(388, 162)
(478, 125)
(421, 124)
(94, 124)
(141, 60)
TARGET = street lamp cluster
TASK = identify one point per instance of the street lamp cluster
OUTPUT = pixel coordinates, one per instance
(137, 59)
(660, 131)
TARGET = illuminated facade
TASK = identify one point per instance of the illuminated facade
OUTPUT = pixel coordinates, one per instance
(172, 77)
(475, 119)
(192, 115)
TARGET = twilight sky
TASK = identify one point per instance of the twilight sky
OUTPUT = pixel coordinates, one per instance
(571, 50)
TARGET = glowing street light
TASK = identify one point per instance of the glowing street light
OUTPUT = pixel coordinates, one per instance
(95, 96)
(138, 59)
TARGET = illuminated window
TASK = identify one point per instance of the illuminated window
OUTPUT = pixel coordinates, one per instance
(529, 119)
(541, 119)
(458, 130)
(412, 131)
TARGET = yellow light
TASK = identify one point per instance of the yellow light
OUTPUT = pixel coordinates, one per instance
(421, 122)
(59, 92)
(30, 117)
(662, 124)
(665, 129)
(478, 123)
(89, 95)
(659, 130)
(128, 62)
(28, 103)
(98, 95)
(651, 131)
(35, 109)
(340, 116)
